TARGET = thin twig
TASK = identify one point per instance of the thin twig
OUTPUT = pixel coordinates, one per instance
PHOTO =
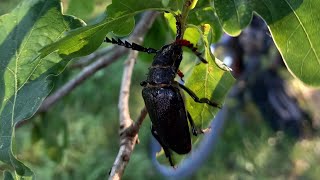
(128, 129)
(137, 124)
(125, 120)
(84, 61)
(80, 78)
(127, 140)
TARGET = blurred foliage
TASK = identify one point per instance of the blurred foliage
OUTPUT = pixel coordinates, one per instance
(7, 5)
(78, 138)
(248, 149)
(85, 9)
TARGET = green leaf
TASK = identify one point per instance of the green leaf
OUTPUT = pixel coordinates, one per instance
(294, 25)
(234, 15)
(155, 38)
(207, 81)
(24, 77)
(7, 175)
(207, 16)
(80, 8)
(120, 21)
(193, 4)
(174, 5)
(296, 35)
(191, 34)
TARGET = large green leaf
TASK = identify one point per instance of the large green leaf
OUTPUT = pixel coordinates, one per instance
(234, 15)
(80, 8)
(24, 77)
(119, 20)
(297, 38)
(294, 25)
(207, 81)
(7, 175)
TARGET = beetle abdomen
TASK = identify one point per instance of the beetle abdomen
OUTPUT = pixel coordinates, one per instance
(169, 118)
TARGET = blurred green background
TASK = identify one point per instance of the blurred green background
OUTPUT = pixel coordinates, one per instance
(78, 137)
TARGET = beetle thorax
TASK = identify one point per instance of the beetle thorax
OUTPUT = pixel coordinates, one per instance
(169, 55)
(165, 65)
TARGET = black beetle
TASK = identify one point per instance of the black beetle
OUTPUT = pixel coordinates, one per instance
(162, 96)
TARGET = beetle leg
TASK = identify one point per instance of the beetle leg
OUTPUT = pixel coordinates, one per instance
(143, 83)
(194, 129)
(164, 147)
(188, 44)
(199, 100)
(193, 126)
(181, 75)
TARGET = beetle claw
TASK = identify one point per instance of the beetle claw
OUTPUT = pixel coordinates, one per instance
(207, 130)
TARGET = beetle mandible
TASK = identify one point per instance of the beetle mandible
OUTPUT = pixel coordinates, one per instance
(162, 95)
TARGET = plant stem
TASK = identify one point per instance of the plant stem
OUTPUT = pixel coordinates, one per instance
(188, 5)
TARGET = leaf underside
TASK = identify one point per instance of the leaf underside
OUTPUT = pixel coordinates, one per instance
(25, 80)
(294, 26)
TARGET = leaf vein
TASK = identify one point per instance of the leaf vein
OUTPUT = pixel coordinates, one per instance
(238, 18)
(305, 31)
(303, 60)
(17, 63)
(10, 70)
(126, 6)
(290, 36)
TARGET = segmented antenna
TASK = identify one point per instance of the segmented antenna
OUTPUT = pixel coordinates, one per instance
(189, 45)
(132, 46)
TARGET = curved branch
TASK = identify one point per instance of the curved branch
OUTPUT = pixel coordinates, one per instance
(84, 61)
(129, 130)
(80, 78)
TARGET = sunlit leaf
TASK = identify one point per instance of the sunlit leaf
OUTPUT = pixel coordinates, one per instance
(207, 16)
(294, 25)
(207, 81)
(297, 38)
(120, 21)
(234, 15)
(80, 8)
(24, 80)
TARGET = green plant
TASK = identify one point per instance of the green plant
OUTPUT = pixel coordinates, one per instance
(42, 40)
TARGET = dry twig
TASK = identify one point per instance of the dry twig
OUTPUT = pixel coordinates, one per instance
(84, 61)
(80, 78)
(128, 129)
